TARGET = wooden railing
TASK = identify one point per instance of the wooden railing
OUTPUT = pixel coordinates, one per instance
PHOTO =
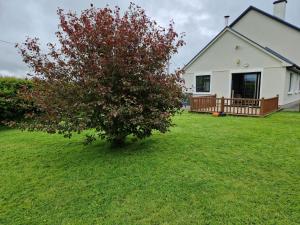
(234, 106)
(269, 105)
(203, 102)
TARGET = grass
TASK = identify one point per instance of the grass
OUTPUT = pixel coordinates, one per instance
(207, 170)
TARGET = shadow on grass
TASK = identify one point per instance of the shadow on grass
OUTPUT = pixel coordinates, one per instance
(4, 128)
(76, 155)
(131, 146)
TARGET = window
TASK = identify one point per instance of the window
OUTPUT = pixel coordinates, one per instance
(203, 83)
(291, 82)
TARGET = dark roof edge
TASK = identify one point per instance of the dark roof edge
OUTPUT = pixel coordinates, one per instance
(266, 14)
(280, 56)
(294, 67)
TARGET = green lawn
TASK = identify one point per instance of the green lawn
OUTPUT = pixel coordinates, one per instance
(231, 170)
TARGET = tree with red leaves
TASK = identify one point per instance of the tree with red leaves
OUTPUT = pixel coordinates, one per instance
(107, 73)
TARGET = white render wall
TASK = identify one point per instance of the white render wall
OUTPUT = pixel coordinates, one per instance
(221, 83)
(294, 94)
(271, 33)
(223, 58)
(272, 83)
(230, 52)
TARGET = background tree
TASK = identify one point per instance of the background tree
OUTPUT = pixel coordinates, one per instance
(13, 107)
(108, 72)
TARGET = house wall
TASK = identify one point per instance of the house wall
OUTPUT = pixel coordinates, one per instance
(231, 52)
(272, 81)
(293, 95)
(223, 58)
(271, 33)
(221, 83)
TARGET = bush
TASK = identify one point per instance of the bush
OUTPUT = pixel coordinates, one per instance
(12, 106)
(108, 74)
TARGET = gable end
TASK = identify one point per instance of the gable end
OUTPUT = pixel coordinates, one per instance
(266, 14)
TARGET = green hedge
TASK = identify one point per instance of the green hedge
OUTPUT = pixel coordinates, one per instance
(12, 107)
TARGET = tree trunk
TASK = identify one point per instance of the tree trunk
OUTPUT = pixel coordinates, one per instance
(118, 141)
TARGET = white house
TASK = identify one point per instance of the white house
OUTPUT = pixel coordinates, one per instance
(256, 56)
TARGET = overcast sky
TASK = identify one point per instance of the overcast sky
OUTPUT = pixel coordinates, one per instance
(201, 20)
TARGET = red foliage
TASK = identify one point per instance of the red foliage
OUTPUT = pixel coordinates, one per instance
(107, 73)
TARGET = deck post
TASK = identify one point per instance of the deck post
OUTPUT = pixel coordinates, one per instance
(191, 103)
(214, 101)
(222, 104)
(277, 106)
(262, 106)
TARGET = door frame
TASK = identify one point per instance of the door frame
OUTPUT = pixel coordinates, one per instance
(254, 70)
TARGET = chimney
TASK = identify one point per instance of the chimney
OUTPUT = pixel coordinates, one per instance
(226, 20)
(280, 8)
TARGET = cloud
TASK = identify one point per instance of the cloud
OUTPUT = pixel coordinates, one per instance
(200, 20)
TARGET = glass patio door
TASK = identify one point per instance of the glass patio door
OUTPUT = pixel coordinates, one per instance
(246, 85)
(250, 86)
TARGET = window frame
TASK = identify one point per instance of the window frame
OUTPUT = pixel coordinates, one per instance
(203, 92)
(290, 87)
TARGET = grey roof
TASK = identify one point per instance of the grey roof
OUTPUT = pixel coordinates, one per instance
(279, 56)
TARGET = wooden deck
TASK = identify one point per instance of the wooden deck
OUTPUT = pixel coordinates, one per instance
(234, 106)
